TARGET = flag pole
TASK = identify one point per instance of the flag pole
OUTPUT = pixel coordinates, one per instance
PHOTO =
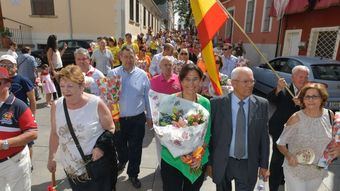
(253, 44)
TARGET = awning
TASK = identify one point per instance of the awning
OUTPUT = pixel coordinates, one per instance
(299, 6)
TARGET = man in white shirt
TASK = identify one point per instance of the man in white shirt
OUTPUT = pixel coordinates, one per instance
(103, 57)
(168, 51)
(82, 58)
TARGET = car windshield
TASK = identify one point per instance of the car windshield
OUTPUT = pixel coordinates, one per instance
(326, 72)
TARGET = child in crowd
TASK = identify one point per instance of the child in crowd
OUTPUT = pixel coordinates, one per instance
(48, 85)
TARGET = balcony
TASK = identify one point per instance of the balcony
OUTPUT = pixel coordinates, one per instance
(20, 33)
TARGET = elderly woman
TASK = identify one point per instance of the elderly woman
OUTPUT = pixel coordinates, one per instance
(174, 171)
(89, 118)
(307, 133)
(183, 58)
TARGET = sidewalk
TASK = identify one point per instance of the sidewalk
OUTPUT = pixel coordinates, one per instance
(149, 175)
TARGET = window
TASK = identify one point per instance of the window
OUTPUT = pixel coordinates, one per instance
(149, 18)
(131, 10)
(266, 20)
(250, 16)
(144, 17)
(137, 11)
(324, 42)
(152, 22)
(230, 25)
(42, 7)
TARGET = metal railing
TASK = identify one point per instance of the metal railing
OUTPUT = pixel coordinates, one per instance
(22, 35)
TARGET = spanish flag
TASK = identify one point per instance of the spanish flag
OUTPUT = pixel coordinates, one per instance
(209, 17)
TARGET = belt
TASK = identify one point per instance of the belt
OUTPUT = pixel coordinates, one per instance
(132, 117)
(6, 158)
(237, 159)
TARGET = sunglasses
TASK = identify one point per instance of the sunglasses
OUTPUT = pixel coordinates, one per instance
(184, 53)
(143, 50)
(226, 49)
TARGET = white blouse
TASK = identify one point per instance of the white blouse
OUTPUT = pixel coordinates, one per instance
(86, 125)
(308, 133)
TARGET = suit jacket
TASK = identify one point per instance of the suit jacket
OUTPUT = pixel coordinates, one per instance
(285, 107)
(258, 137)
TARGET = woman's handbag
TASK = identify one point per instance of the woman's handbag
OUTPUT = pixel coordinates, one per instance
(100, 167)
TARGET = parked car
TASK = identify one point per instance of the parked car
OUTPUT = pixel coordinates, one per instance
(322, 70)
(68, 56)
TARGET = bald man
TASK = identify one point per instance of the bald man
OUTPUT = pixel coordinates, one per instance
(240, 139)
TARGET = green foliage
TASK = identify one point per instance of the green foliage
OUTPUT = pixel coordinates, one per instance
(183, 9)
(4, 32)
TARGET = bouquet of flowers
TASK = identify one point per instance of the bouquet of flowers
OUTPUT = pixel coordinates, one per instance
(180, 124)
(225, 82)
(110, 88)
(326, 160)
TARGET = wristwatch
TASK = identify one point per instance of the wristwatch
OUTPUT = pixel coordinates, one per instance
(5, 145)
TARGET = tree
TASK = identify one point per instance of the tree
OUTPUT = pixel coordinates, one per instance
(182, 8)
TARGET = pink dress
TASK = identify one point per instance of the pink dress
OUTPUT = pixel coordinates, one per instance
(47, 83)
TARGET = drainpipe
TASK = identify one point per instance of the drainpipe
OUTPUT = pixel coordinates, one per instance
(70, 18)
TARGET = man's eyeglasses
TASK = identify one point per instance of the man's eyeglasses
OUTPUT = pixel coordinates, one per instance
(184, 53)
(248, 82)
(225, 49)
(312, 97)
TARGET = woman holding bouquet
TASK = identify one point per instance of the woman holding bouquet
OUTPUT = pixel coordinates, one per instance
(186, 173)
(307, 133)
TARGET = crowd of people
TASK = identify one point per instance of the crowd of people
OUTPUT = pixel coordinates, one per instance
(92, 149)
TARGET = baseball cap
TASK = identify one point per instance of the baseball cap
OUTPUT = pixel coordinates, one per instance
(9, 58)
(4, 73)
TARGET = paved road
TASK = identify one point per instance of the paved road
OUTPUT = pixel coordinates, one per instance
(149, 175)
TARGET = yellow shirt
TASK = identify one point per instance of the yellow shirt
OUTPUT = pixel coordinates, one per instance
(154, 45)
(115, 51)
(134, 46)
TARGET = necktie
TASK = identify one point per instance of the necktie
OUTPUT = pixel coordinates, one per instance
(240, 134)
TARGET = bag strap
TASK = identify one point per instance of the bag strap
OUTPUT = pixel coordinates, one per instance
(70, 128)
(330, 117)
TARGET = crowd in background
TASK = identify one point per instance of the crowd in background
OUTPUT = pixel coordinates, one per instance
(236, 145)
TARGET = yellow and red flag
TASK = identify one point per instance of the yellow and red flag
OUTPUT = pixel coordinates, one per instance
(209, 17)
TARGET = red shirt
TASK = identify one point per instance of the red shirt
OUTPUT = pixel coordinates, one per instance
(161, 85)
(15, 118)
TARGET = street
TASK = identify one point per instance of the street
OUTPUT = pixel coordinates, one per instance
(149, 175)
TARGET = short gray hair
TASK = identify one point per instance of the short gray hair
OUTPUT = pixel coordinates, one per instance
(300, 68)
(82, 51)
(236, 71)
(166, 58)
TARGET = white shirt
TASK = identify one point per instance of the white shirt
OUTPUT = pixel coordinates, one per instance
(154, 66)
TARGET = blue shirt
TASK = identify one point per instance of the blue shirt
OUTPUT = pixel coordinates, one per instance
(234, 109)
(229, 63)
(20, 86)
(134, 96)
(27, 66)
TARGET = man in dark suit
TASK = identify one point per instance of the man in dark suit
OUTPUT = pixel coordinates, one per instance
(286, 105)
(240, 140)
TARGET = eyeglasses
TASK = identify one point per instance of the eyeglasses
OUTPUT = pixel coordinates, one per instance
(7, 65)
(248, 82)
(184, 53)
(82, 59)
(143, 50)
(225, 49)
(312, 97)
(191, 79)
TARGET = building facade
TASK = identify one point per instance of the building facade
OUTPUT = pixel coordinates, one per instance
(78, 19)
(254, 18)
